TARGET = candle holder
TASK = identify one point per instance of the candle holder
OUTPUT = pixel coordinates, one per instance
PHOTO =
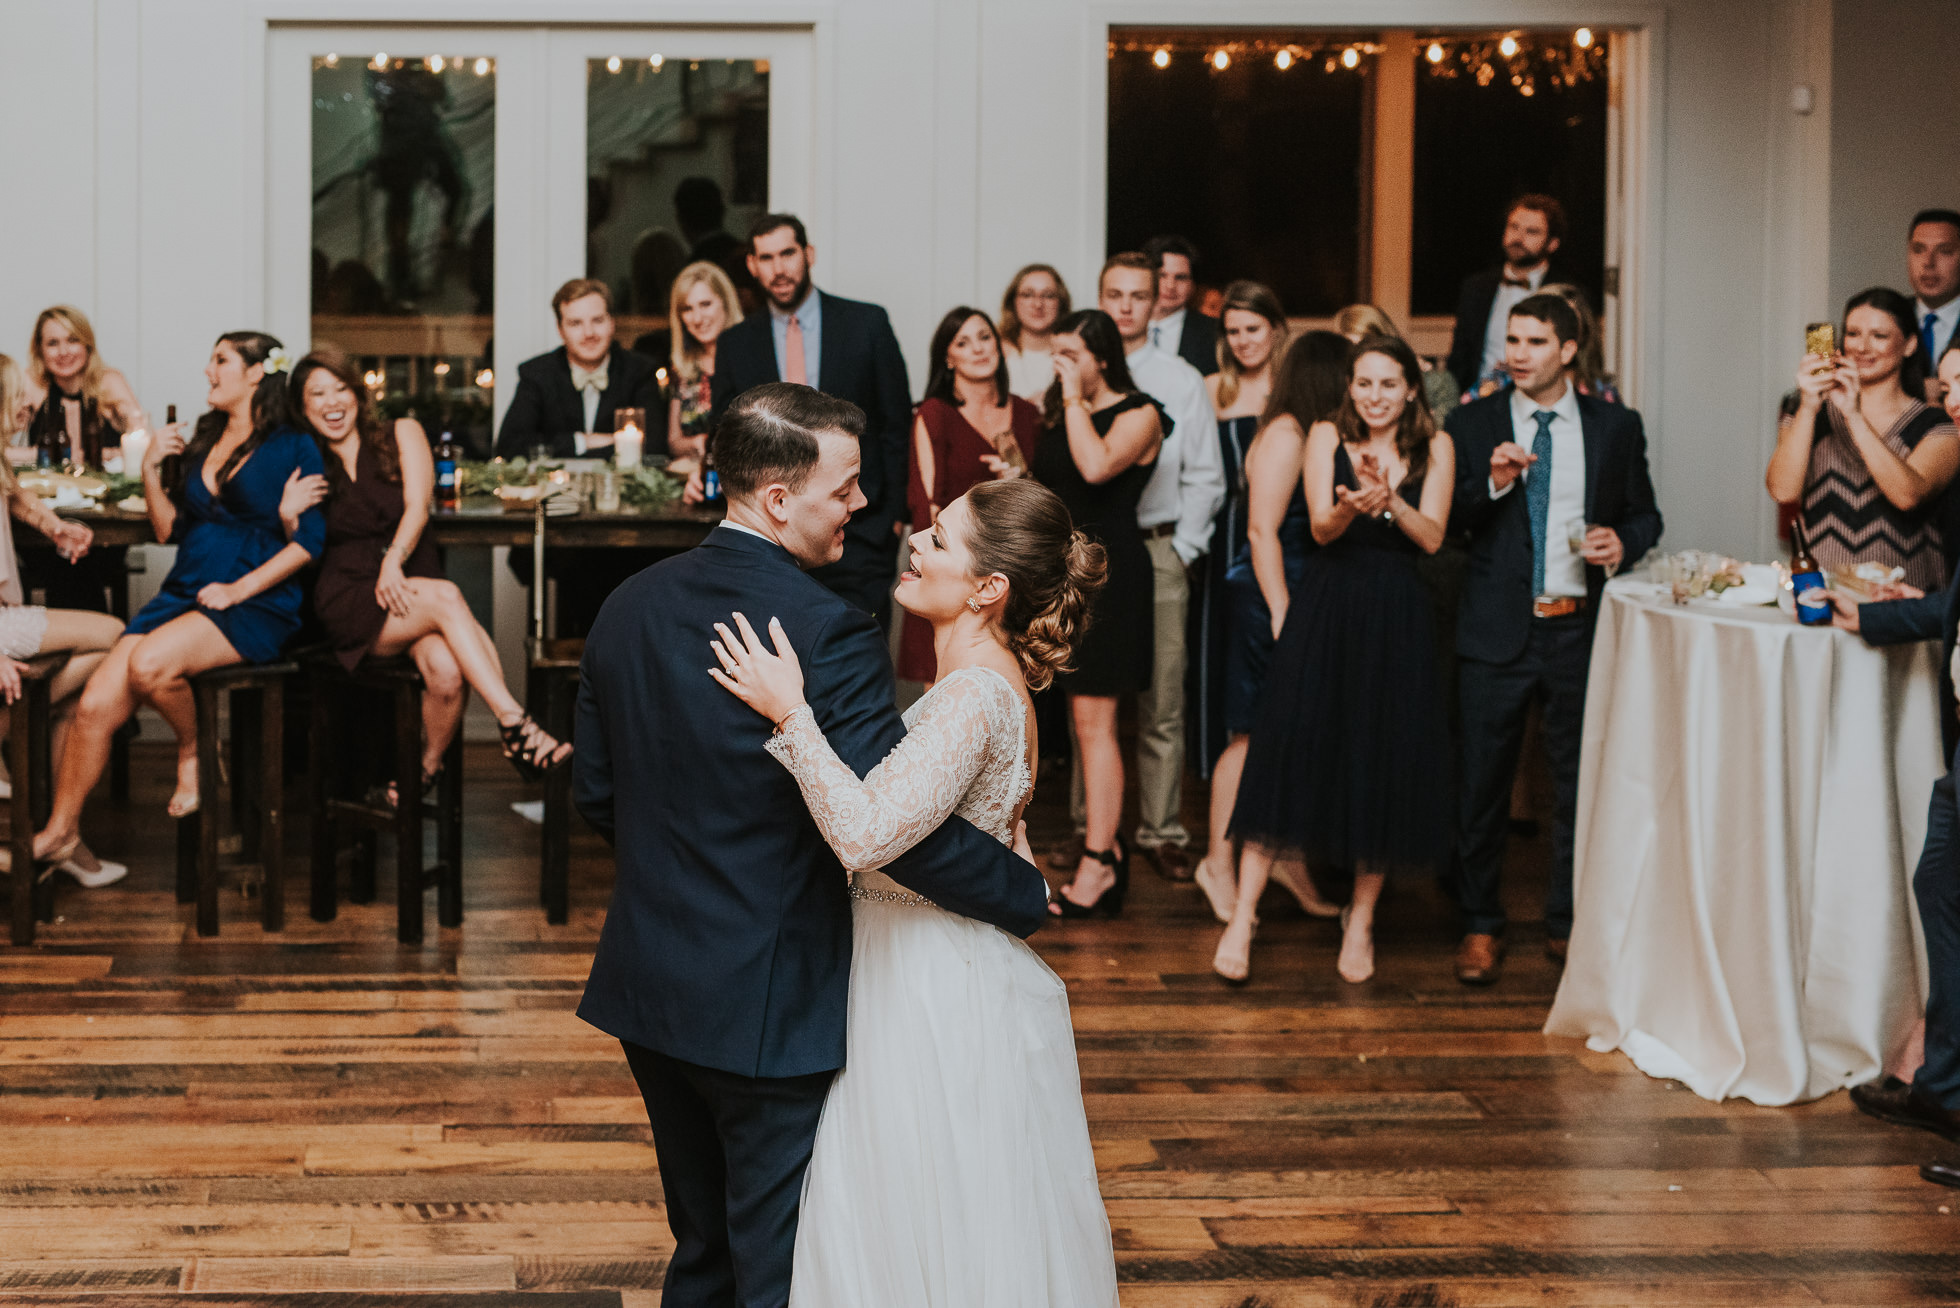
(629, 435)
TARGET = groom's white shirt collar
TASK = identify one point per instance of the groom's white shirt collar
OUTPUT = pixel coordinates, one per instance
(736, 526)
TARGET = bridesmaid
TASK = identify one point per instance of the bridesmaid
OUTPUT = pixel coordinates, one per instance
(1100, 444)
(381, 590)
(701, 307)
(231, 596)
(969, 429)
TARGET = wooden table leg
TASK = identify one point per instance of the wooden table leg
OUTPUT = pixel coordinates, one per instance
(555, 872)
(320, 756)
(449, 835)
(118, 590)
(208, 824)
(22, 835)
(409, 879)
(272, 806)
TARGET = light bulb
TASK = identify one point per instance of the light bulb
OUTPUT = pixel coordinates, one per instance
(1350, 58)
(486, 379)
(380, 62)
(1434, 53)
(331, 61)
(1283, 60)
(613, 64)
(1220, 60)
(1162, 59)
(436, 63)
(482, 67)
(656, 61)
(1508, 47)
(1583, 38)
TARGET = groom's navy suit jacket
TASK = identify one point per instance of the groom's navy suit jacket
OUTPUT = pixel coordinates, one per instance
(728, 943)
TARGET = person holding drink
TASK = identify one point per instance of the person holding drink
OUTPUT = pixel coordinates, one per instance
(1867, 460)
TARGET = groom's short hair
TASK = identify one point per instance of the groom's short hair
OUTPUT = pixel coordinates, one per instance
(769, 434)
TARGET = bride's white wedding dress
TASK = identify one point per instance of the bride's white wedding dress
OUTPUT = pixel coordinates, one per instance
(952, 1166)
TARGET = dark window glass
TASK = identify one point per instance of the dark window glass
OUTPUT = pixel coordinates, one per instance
(1477, 148)
(1260, 167)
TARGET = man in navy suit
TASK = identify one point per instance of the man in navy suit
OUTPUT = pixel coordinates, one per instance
(1538, 467)
(725, 960)
(843, 348)
(1931, 1100)
(1176, 325)
(1533, 228)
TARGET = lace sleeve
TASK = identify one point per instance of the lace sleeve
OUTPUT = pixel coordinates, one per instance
(905, 798)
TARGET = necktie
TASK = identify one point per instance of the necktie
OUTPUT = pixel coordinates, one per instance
(1926, 328)
(1538, 495)
(794, 369)
(1156, 333)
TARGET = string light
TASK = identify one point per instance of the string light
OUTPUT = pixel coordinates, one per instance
(1350, 58)
(482, 67)
(1283, 60)
(761, 67)
(331, 61)
(1434, 54)
(372, 378)
(436, 63)
(380, 62)
(613, 64)
(1525, 61)
(486, 379)
(1508, 47)
(1583, 38)
(655, 62)
(1220, 60)
(441, 369)
(1162, 59)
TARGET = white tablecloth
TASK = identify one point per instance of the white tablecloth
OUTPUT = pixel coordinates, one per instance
(1752, 798)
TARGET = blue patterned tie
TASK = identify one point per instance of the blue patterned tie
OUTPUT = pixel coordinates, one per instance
(1538, 495)
(1926, 330)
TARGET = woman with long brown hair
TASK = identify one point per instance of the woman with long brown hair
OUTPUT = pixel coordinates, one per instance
(1036, 299)
(381, 591)
(1348, 761)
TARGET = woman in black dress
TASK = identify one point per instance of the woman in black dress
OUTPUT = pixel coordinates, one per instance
(1348, 760)
(1100, 442)
(381, 590)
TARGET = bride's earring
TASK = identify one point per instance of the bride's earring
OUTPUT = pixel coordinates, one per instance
(973, 603)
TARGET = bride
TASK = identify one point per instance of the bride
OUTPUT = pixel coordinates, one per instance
(952, 1165)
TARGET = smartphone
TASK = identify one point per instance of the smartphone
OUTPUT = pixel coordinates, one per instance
(1820, 338)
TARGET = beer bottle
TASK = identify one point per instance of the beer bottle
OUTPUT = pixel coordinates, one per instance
(1807, 580)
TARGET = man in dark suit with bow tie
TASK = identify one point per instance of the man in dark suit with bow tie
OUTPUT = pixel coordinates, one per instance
(1931, 1100)
(843, 348)
(566, 401)
(1536, 466)
(1533, 229)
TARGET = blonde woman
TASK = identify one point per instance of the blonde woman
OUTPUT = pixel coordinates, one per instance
(27, 630)
(700, 308)
(1359, 320)
(73, 389)
(1036, 299)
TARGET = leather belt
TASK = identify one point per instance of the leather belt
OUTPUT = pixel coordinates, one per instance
(1559, 606)
(1159, 531)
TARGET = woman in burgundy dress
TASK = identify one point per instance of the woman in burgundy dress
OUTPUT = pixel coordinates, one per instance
(969, 429)
(381, 590)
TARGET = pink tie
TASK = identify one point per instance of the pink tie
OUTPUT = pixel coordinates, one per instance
(793, 369)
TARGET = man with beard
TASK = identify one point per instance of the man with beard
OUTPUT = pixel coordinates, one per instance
(1533, 228)
(843, 348)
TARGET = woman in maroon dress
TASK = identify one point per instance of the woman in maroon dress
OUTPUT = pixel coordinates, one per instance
(381, 590)
(969, 429)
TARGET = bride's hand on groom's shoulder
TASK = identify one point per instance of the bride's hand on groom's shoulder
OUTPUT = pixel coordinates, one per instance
(770, 683)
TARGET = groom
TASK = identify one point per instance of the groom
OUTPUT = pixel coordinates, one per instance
(725, 961)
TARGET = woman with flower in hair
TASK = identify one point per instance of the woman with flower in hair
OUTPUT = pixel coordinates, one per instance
(231, 597)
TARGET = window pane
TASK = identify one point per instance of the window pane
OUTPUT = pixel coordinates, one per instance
(404, 157)
(1260, 166)
(1480, 145)
(677, 166)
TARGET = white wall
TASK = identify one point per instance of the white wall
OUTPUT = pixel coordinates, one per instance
(959, 139)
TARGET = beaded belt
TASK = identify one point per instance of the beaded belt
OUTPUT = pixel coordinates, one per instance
(888, 896)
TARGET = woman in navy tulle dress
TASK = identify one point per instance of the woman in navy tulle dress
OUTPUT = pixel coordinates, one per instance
(231, 597)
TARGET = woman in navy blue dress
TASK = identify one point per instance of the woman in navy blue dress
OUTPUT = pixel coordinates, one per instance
(231, 597)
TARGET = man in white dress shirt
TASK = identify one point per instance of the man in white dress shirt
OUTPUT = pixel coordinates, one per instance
(1533, 230)
(1179, 502)
(1933, 265)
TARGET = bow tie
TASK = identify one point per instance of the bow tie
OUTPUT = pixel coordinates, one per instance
(594, 380)
(1524, 282)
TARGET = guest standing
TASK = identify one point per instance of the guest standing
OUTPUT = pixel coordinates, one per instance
(702, 307)
(1101, 437)
(1178, 326)
(1179, 503)
(232, 595)
(1933, 268)
(1438, 386)
(1534, 227)
(844, 348)
(970, 429)
(1524, 630)
(1870, 461)
(1035, 300)
(381, 592)
(1589, 364)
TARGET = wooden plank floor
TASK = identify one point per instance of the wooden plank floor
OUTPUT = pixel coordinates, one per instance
(327, 1118)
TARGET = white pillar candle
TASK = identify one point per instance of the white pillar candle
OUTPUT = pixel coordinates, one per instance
(627, 443)
(135, 448)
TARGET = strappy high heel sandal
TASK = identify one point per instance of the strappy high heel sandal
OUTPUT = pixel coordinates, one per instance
(1110, 902)
(532, 750)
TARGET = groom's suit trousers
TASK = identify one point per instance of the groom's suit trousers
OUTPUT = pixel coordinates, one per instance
(733, 1150)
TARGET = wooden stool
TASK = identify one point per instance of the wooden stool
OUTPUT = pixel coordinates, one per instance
(550, 693)
(29, 739)
(257, 695)
(330, 685)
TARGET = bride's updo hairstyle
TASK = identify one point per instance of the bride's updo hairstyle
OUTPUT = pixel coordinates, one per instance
(1022, 530)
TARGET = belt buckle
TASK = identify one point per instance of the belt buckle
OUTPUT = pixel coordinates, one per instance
(1547, 606)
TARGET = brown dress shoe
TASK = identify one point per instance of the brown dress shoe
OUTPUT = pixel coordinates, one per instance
(1479, 959)
(1555, 947)
(1174, 861)
(1898, 1102)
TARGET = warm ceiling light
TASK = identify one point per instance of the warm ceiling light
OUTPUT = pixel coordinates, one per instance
(331, 61)
(1508, 47)
(1350, 58)
(436, 63)
(1162, 59)
(1220, 60)
(380, 62)
(613, 64)
(1583, 38)
(486, 379)
(655, 62)
(1434, 53)
(1283, 60)
(482, 67)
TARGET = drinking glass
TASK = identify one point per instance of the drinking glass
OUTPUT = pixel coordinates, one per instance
(605, 491)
